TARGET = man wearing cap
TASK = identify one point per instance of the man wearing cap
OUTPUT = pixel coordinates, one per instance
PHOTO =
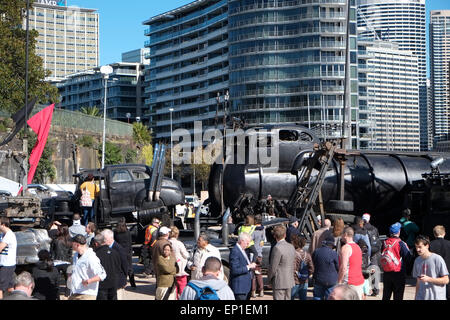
(158, 248)
(326, 268)
(394, 281)
(87, 271)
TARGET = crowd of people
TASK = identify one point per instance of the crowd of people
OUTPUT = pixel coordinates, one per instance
(341, 262)
(94, 263)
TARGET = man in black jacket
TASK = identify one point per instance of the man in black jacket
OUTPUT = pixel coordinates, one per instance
(123, 274)
(326, 268)
(441, 247)
(110, 261)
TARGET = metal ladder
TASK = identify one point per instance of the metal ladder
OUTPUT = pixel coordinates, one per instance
(304, 197)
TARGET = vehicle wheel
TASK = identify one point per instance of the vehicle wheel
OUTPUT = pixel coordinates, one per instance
(62, 206)
(340, 206)
(348, 218)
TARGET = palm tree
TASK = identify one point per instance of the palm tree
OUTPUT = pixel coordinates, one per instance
(141, 134)
(91, 111)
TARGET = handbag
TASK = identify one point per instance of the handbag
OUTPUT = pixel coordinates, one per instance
(85, 200)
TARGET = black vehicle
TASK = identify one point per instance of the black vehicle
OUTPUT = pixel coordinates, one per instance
(429, 200)
(5, 193)
(375, 181)
(125, 192)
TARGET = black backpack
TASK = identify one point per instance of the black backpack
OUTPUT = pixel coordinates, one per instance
(374, 238)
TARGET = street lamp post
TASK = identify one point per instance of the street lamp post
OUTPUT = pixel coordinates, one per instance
(105, 71)
(25, 140)
(171, 144)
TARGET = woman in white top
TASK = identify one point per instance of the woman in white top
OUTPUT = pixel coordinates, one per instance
(181, 256)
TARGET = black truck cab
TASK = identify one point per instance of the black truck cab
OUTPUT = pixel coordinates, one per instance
(125, 192)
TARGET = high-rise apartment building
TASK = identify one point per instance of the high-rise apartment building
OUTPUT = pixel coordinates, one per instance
(391, 113)
(125, 96)
(439, 62)
(286, 64)
(68, 40)
(139, 55)
(188, 66)
(403, 22)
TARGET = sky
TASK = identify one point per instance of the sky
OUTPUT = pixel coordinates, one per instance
(121, 27)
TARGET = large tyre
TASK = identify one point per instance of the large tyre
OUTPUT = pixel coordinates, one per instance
(340, 206)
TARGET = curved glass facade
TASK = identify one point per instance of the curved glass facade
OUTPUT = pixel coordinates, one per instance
(287, 60)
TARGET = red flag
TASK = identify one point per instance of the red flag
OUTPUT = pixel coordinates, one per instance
(39, 123)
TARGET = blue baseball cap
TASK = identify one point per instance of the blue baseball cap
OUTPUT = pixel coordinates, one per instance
(395, 228)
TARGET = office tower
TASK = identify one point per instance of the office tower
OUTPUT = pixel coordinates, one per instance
(68, 40)
(430, 114)
(403, 22)
(388, 120)
(439, 62)
(188, 66)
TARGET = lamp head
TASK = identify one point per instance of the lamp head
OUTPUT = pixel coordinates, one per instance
(106, 71)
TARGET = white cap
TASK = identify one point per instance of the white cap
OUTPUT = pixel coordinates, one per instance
(164, 230)
(366, 217)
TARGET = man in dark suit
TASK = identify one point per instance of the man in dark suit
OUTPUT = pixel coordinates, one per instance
(122, 276)
(281, 269)
(23, 287)
(110, 260)
(240, 268)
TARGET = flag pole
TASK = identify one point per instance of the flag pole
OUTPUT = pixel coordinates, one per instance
(25, 140)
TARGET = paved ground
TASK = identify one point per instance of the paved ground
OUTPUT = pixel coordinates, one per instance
(146, 288)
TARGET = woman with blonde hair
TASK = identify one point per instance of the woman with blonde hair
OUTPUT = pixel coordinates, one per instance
(181, 256)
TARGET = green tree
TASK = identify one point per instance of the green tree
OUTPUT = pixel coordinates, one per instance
(12, 61)
(147, 154)
(141, 134)
(91, 111)
(200, 163)
(113, 153)
(86, 141)
(130, 156)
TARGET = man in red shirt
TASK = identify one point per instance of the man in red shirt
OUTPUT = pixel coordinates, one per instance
(350, 263)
